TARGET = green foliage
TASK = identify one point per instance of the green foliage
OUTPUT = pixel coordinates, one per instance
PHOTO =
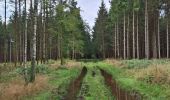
(41, 69)
(100, 32)
(8, 76)
(136, 63)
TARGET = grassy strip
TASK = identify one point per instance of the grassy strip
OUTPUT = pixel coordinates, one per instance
(59, 80)
(149, 91)
(93, 87)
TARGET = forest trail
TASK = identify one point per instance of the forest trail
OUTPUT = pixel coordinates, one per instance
(118, 92)
(75, 86)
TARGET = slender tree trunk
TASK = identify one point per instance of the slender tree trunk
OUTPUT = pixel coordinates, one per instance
(44, 31)
(58, 47)
(103, 45)
(25, 48)
(124, 40)
(61, 50)
(148, 50)
(137, 35)
(16, 32)
(115, 40)
(118, 50)
(134, 53)
(167, 40)
(32, 78)
(159, 47)
(73, 50)
(20, 34)
(5, 47)
(128, 51)
(146, 31)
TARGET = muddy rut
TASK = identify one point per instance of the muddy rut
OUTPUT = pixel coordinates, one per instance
(117, 92)
(75, 86)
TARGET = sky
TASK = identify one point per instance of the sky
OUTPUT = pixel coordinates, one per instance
(89, 9)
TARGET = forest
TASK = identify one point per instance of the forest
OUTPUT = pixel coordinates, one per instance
(49, 52)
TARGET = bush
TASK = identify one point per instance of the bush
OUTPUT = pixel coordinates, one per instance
(42, 69)
(130, 64)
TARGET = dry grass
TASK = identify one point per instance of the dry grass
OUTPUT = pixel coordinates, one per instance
(54, 65)
(72, 63)
(116, 63)
(17, 88)
(154, 73)
(68, 64)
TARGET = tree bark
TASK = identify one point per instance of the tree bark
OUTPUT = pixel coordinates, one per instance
(25, 48)
(124, 40)
(32, 78)
(146, 31)
(128, 51)
(137, 36)
(134, 53)
(115, 40)
(118, 50)
(44, 31)
(159, 47)
(167, 39)
(5, 47)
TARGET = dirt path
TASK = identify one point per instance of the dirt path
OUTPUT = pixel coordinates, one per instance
(75, 86)
(119, 93)
(93, 87)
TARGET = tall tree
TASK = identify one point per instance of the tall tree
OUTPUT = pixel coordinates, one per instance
(99, 31)
(32, 78)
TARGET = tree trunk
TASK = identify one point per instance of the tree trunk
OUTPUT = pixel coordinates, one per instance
(32, 78)
(146, 31)
(124, 40)
(118, 50)
(61, 50)
(44, 31)
(16, 32)
(148, 51)
(20, 35)
(167, 40)
(103, 45)
(134, 53)
(5, 47)
(25, 48)
(115, 41)
(137, 35)
(128, 51)
(159, 47)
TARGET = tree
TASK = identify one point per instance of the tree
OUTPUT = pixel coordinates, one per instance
(32, 78)
(25, 47)
(99, 31)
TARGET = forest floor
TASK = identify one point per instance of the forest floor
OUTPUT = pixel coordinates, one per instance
(90, 80)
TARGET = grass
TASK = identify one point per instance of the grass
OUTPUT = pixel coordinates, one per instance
(150, 78)
(130, 83)
(93, 87)
(17, 88)
(59, 80)
(54, 87)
